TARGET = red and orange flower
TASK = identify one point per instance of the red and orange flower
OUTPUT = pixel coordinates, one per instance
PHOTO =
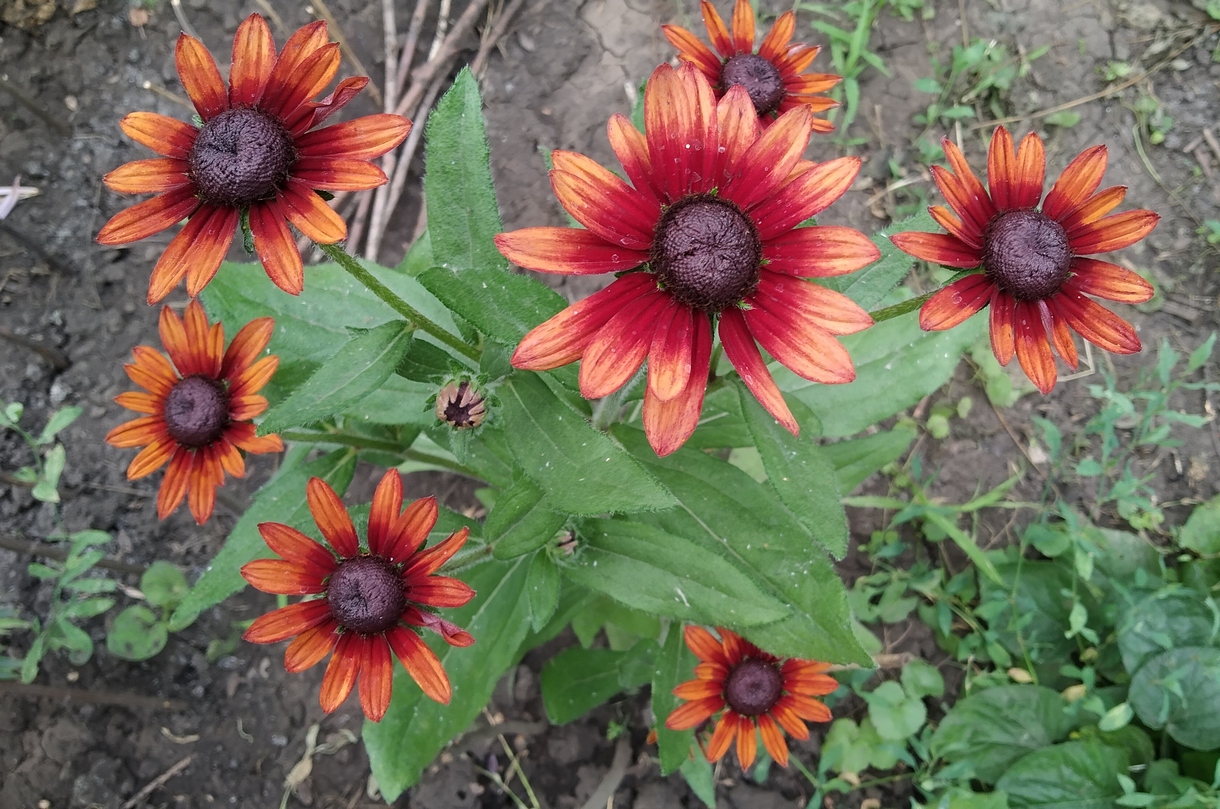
(254, 156)
(706, 239)
(774, 77)
(371, 602)
(1034, 273)
(755, 690)
(198, 407)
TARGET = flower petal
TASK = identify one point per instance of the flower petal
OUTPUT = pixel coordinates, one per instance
(949, 221)
(717, 32)
(338, 173)
(376, 677)
(1003, 323)
(1109, 281)
(428, 562)
(310, 214)
(631, 149)
(938, 248)
(1061, 335)
(152, 457)
(284, 94)
(743, 27)
(410, 529)
(252, 379)
(669, 356)
(421, 663)
(141, 402)
(740, 349)
(1077, 182)
(287, 622)
(789, 720)
(825, 308)
(295, 547)
(282, 577)
(802, 347)
(384, 511)
(243, 436)
(332, 518)
(670, 127)
(738, 128)
(962, 189)
(244, 408)
(148, 217)
(200, 77)
(690, 49)
(808, 195)
(440, 591)
(276, 248)
(152, 371)
(773, 740)
(1093, 322)
(148, 176)
(314, 113)
(174, 484)
(807, 708)
(173, 338)
(698, 689)
(692, 714)
(1092, 209)
(248, 343)
(566, 251)
(602, 202)
(668, 424)
(819, 252)
(253, 59)
(1034, 347)
(564, 337)
(747, 743)
(704, 645)
(196, 252)
(359, 139)
(1029, 175)
(770, 159)
(1113, 232)
(341, 671)
(619, 348)
(722, 737)
(775, 44)
(164, 135)
(956, 303)
(206, 474)
(310, 647)
(137, 432)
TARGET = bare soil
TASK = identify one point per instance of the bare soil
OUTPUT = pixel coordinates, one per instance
(95, 735)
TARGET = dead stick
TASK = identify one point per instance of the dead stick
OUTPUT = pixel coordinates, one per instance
(408, 47)
(421, 80)
(158, 782)
(389, 25)
(497, 33)
(54, 356)
(33, 548)
(50, 120)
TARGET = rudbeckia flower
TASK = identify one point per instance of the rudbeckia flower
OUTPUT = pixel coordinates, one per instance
(256, 154)
(1035, 274)
(198, 407)
(755, 690)
(706, 239)
(774, 77)
(369, 602)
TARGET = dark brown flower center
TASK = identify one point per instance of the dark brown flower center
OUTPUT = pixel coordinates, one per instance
(1027, 253)
(460, 406)
(753, 687)
(706, 252)
(759, 77)
(366, 595)
(241, 156)
(197, 411)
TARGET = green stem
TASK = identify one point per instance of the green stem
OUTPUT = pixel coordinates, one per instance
(897, 309)
(414, 317)
(364, 442)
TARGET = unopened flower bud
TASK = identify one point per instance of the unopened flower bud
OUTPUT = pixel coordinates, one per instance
(461, 405)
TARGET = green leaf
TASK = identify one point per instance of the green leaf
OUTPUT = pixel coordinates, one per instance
(1201, 533)
(87, 607)
(962, 798)
(519, 522)
(462, 213)
(948, 524)
(869, 286)
(675, 664)
(47, 489)
(1117, 717)
(665, 574)
(897, 364)
(1063, 118)
(1201, 354)
(419, 257)
(726, 511)
(1166, 619)
(577, 680)
(542, 585)
(1072, 775)
(415, 728)
(498, 302)
(283, 501)
(136, 634)
(59, 420)
(895, 714)
(358, 369)
(312, 327)
(857, 458)
(1179, 690)
(990, 730)
(697, 771)
(10, 414)
(922, 679)
(1030, 601)
(163, 585)
(581, 470)
(800, 473)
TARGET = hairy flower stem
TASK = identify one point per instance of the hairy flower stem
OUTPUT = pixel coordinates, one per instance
(897, 309)
(414, 317)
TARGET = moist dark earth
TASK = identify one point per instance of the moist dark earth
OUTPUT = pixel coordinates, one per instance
(96, 734)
